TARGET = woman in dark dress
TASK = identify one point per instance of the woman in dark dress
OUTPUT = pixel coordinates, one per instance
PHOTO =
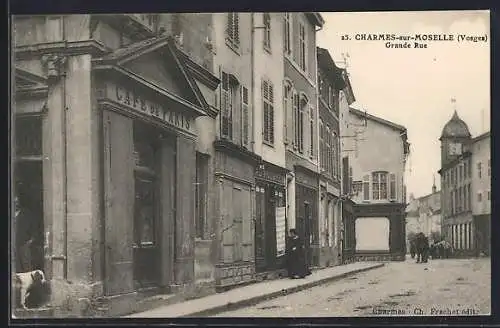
(296, 256)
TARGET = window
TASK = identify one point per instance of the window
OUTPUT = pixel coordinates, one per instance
(469, 167)
(469, 197)
(489, 167)
(288, 107)
(392, 187)
(460, 199)
(479, 170)
(321, 146)
(201, 193)
(350, 179)
(299, 123)
(366, 187)
(226, 107)
(328, 151)
(312, 132)
(466, 169)
(267, 31)
(302, 46)
(334, 155)
(233, 29)
(244, 115)
(296, 114)
(479, 197)
(288, 34)
(460, 172)
(379, 183)
(28, 136)
(330, 97)
(268, 100)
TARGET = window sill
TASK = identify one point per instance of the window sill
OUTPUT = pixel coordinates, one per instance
(267, 143)
(234, 47)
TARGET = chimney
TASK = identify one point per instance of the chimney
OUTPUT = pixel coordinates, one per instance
(434, 184)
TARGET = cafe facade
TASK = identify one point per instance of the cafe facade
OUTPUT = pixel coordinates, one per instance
(117, 138)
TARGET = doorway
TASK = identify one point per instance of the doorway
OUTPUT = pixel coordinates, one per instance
(146, 254)
(29, 216)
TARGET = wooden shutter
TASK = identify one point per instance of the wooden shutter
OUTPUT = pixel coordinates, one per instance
(229, 26)
(244, 115)
(311, 130)
(392, 186)
(225, 104)
(236, 28)
(265, 95)
(119, 202)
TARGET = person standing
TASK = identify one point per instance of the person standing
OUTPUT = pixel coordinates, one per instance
(296, 256)
(26, 243)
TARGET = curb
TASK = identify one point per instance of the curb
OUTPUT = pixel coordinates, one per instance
(230, 306)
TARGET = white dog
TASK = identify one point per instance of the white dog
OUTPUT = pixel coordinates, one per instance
(26, 281)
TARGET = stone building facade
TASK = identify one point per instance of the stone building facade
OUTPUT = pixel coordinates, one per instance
(377, 151)
(301, 126)
(466, 188)
(114, 101)
(330, 82)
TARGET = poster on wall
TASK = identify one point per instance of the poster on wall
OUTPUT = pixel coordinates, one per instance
(280, 231)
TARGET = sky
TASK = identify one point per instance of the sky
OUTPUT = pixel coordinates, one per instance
(414, 87)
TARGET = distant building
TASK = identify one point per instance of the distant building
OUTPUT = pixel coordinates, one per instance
(465, 187)
(423, 214)
(375, 151)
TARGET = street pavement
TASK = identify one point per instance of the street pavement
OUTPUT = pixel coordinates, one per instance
(446, 287)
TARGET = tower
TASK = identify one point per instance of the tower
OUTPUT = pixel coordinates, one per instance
(454, 137)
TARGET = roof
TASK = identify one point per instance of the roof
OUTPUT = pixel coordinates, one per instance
(455, 127)
(481, 136)
(316, 18)
(377, 119)
(327, 65)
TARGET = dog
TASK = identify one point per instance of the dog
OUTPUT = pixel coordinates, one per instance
(28, 283)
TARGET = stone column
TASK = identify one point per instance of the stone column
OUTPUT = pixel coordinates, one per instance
(82, 156)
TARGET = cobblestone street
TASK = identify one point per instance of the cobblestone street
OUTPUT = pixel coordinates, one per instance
(440, 287)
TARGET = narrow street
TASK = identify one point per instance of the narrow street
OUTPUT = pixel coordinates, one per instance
(440, 287)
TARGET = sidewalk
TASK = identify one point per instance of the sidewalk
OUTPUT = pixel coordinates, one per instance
(254, 293)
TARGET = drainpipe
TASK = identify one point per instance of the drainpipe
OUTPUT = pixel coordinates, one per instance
(65, 150)
(252, 70)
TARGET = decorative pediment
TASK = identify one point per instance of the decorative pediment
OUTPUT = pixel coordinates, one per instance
(156, 63)
(29, 84)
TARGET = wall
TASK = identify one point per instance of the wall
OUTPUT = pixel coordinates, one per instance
(481, 153)
(377, 148)
(269, 65)
(372, 234)
(234, 61)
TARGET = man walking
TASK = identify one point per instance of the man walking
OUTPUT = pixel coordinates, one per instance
(297, 267)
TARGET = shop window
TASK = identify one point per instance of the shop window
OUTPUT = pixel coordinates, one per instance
(201, 193)
(29, 136)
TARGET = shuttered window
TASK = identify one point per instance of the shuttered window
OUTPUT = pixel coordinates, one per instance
(321, 146)
(288, 34)
(288, 107)
(226, 107)
(302, 46)
(312, 132)
(296, 114)
(268, 105)
(244, 116)
(299, 124)
(233, 29)
(267, 31)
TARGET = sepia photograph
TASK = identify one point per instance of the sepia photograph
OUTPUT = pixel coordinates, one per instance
(250, 164)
